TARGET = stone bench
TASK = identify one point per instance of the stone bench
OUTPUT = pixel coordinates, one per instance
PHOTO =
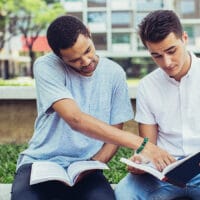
(5, 190)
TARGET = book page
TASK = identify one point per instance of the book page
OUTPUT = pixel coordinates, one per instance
(78, 167)
(45, 171)
(148, 167)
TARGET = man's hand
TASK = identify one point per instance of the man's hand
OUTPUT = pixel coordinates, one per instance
(138, 159)
(159, 157)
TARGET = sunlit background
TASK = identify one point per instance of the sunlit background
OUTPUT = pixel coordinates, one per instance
(113, 24)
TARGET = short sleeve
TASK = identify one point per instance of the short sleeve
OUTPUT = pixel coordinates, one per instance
(121, 104)
(50, 78)
(143, 101)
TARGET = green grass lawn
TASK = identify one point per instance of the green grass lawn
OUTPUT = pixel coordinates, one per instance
(9, 154)
(19, 81)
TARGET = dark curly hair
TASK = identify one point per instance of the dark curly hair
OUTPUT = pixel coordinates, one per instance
(63, 32)
(158, 24)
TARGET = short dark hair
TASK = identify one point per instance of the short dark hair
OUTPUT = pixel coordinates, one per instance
(63, 32)
(158, 24)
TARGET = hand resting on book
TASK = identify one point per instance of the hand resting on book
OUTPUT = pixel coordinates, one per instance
(137, 159)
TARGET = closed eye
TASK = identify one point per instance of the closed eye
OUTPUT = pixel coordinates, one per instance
(156, 55)
(172, 51)
(88, 50)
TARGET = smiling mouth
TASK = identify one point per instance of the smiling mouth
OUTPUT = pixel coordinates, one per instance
(89, 67)
(171, 69)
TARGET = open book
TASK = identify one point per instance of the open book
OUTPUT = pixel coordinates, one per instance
(177, 173)
(43, 171)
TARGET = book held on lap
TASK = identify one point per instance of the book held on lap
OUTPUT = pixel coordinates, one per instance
(43, 171)
(177, 173)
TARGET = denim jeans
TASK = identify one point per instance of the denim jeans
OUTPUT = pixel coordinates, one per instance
(147, 187)
(93, 186)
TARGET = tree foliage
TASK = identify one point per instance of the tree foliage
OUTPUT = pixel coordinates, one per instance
(29, 18)
(7, 29)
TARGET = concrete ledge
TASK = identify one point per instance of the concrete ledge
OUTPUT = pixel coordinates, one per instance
(132, 91)
(28, 92)
(5, 191)
(17, 92)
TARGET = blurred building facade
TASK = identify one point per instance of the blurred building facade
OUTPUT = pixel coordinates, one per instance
(113, 24)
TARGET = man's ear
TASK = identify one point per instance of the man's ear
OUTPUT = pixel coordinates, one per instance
(185, 37)
(89, 32)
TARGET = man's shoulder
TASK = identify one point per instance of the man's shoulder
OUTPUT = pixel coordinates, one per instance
(155, 75)
(49, 60)
(110, 65)
(105, 60)
(47, 57)
(48, 63)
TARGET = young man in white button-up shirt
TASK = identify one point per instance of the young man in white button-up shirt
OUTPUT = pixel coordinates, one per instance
(167, 108)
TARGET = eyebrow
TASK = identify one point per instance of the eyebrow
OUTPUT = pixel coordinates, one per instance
(75, 59)
(170, 48)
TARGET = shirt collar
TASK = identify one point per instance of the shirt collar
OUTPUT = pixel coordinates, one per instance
(189, 73)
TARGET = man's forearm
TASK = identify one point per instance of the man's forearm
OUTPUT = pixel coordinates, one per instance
(107, 151)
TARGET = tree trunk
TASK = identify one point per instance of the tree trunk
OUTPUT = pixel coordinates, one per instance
(32, 56)
(6, 70)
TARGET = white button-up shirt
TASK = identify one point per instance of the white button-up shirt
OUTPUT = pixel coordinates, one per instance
(174, 106)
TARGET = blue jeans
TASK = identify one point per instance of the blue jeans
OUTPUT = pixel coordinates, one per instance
(93, 186)
(145, 186)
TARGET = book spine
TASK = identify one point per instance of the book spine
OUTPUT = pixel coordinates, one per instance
(173, 182)
(165, 179)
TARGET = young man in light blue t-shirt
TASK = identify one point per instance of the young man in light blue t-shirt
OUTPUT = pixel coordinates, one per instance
(82, 102)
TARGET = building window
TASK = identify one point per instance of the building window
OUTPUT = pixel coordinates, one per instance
(120, 38)
(119, 4)
(121, 42)
(190, 31)
(188, 9)
(139, 17)
(193, 32)
(122, 19)
(140, 45)
(149, 5)
(72, 0)
(100, 41)
(96, 3)
(72, 5)
(97, 21)
(76, 14)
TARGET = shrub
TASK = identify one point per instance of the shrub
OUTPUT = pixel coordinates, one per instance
(9, 154)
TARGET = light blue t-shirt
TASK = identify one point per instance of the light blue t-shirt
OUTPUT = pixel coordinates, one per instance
(104, 95)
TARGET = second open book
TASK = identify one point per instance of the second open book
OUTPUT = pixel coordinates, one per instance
(43, 171)
(177, 173)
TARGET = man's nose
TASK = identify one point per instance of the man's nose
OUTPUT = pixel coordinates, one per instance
(85, 60)
(167, 61)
